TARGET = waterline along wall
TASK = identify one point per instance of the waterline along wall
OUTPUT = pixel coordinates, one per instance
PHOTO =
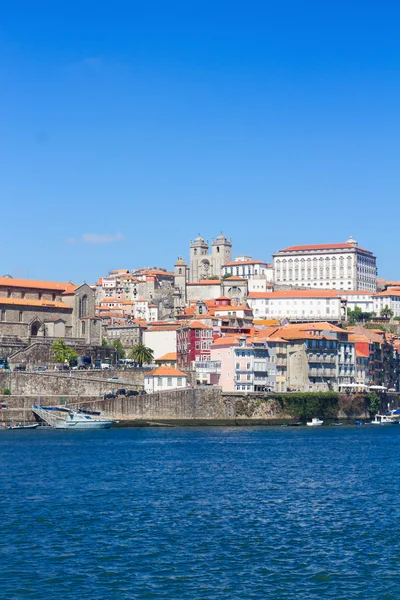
(198, 406)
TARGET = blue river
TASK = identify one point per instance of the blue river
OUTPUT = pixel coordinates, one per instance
(200, 513)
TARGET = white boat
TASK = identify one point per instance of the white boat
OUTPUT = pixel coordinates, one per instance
(20, 426)
(314, 422)
(71, 419)
(384, 420)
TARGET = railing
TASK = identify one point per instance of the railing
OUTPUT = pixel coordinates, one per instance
(322, 373)
(320, 358)
(210, 366)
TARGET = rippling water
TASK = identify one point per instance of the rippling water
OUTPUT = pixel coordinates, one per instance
(200, 513)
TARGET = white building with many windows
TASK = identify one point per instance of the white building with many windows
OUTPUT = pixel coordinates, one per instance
(343, 266)
(298, 305)
(389, 299)
(246, 267)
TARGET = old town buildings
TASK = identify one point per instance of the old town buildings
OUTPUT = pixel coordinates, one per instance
(343, 266)
(305, 323)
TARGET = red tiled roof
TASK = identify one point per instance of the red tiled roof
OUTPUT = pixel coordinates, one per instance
(38, 303)
(245, 262)
(166, 372)
(11, 282)
(311, 247)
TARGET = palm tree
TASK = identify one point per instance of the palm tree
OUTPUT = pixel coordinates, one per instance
(142, 354)
(387, 312)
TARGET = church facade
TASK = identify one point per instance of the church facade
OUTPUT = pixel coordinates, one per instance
(205, 264)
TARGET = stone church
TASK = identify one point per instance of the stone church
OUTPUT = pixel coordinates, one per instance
(31, 309)
(206, 265)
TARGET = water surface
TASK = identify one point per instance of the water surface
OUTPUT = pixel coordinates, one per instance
(219, 513)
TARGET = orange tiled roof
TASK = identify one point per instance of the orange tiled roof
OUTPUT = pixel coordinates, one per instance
(343, 246)
(205, 282)
(38, 303)
(11, 282)
(166, 372)
(230, 340)
(198, 325)
(169, 356)
(245, 262)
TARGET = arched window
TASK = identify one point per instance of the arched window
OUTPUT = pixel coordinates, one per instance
(84, 306)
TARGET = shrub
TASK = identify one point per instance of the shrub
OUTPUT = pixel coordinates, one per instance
(6, 392)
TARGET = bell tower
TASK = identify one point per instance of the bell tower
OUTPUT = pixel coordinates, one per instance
(198, 256)
(221, 254)
(181, 276)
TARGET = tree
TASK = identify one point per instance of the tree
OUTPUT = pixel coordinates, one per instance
(117, 344)
(387, 312)
(104, 343)
(62, 352)
(374, 402)
(142, 354)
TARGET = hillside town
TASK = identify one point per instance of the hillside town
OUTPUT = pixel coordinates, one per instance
(313, 318)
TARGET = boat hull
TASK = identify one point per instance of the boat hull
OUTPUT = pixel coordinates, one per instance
(82, 425)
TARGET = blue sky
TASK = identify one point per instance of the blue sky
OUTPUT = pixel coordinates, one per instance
(129, 127)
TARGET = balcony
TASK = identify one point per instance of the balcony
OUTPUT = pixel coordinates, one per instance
(322, 373)
(210, 366)
(327, 359)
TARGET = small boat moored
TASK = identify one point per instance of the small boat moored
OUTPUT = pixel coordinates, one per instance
(20, 426)
(65, 418)
(384, 420)
(314, 422)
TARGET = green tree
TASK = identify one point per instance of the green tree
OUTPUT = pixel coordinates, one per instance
(117, 344)
(62, 352)
(104, 343)
(141, 354)
(387, 312)
(374, 402)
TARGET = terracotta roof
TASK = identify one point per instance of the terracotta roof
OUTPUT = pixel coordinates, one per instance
(311, 247)
(356, 293)
(198, 325)
(38, 303)
(226, 341)
(205, 282)
(391, 292)
(245, 262)
(11, 282)
(168, 356)
(300, 294)
(166, 372)
(234, 278)
(259, 294)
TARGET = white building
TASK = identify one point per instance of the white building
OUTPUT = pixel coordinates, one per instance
(343, 266)
(161, 338)
(258, 284)
(390, 299)
(363, 300)
(163, 379)
(246, 267)
(298, 305)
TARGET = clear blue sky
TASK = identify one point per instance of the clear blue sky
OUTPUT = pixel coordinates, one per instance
(129, 127)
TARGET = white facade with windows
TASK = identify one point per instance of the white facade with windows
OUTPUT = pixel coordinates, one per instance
(326, 266)
(298, 305)
(248, 268)
(163, 379)
(363, 300)
(390, 299)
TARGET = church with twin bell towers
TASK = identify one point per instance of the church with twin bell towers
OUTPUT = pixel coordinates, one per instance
(206, 265)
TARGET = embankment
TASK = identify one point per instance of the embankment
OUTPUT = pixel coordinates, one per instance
(201, 406)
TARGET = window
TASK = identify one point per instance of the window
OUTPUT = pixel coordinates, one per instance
(197, 346)
(83, 327)
(159, 382)
(20, 316)
(197, 334)
(3, 315)
(179, 381)
(169, 381)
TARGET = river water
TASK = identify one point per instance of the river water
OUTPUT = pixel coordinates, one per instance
(202, 513)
